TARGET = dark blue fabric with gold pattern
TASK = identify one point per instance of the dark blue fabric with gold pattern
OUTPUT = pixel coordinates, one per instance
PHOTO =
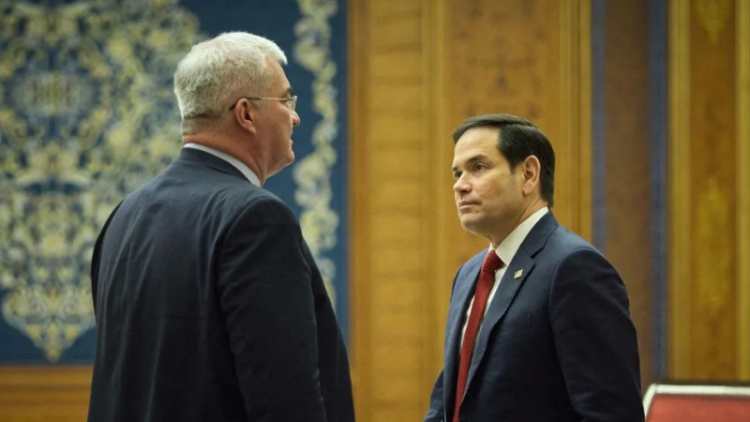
(87, 114)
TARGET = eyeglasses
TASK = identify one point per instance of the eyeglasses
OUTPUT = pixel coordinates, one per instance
(289, 102)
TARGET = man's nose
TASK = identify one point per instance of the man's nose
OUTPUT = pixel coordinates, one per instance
(461, 185)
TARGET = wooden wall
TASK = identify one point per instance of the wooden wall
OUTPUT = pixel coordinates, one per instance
(420, 67)
(417, 69)
(623, 145)
(710, 189)
(44, 393)
(397, 199)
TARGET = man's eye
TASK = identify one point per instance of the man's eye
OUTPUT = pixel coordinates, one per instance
(479, 167)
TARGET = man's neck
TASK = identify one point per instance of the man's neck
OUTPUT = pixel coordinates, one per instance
(224, 143)
(532, 208)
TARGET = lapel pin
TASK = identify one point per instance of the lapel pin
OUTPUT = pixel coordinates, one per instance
(518, 274)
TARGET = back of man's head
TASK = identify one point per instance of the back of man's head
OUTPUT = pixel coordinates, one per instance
(217, 72)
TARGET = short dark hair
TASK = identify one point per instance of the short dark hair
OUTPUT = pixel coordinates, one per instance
(518, 139)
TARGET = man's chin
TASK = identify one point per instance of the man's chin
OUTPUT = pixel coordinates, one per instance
(468, 222)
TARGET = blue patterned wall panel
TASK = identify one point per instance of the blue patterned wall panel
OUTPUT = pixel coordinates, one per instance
(87, 115)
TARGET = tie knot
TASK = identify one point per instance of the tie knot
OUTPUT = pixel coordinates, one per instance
(492, 262)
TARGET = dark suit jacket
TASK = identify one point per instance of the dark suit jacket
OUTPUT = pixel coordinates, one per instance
(557, 342)
(209, 307)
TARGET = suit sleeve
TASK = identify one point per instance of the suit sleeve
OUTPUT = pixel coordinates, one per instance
(437, 402)
(96, 257)
(436, 410)
(264, 286)
(596, 339)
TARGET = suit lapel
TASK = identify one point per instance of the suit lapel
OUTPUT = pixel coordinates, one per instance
(464, 291)
(522, 265)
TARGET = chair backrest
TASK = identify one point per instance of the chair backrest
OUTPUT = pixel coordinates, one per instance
(697, 403)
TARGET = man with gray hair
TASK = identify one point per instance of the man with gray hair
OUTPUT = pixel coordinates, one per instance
(209, 305)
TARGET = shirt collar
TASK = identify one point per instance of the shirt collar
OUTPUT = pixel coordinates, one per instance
(245, 170)
(507, 249)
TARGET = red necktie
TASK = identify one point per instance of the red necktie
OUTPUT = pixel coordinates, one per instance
(491, 263)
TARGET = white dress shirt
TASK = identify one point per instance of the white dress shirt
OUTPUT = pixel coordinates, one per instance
(245, 170)
(506, 250)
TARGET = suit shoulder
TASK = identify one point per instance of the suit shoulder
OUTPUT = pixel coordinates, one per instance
(204, 194)
(473, 262)
(565, 249)
(261, 207)
(568, 243)
(237, 194)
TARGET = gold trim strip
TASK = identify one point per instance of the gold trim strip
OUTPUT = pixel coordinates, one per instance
(574, 148)
(564, 146)
(679, 189)
(584, 117)
(438, 202)
(312, 173)
(743, 189)
(360, 290)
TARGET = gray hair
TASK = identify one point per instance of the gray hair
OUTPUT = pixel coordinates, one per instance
(218, 71)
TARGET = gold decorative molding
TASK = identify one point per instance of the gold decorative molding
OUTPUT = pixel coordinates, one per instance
(713, 16)
(713, 263)
(575, 110)
(436, 142)
(584, 119)
(360, 265)
(679, 189)
(312, 174)
(743, 189)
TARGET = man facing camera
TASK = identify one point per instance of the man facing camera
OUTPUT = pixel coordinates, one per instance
(538, 327)
(209, 305)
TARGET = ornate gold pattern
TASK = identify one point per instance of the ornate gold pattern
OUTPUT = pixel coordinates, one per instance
(86, 115)
(313, 173)
(713, 16)
(714, 263)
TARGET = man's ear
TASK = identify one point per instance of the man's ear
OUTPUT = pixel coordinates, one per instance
(245, 113)
(532, 173)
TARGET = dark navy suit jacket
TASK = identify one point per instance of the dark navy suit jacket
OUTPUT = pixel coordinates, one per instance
(557, 342)
(210, 307)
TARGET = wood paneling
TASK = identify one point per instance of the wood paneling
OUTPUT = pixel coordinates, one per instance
(44, 393)
(713, 181)
(417, 69)
(743, 189)
(708, 190)
(680, 230)
(389, 219)
(626, 146)
(531, 59)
